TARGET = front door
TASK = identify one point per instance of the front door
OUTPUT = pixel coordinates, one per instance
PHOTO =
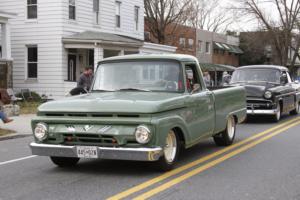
(200, 106)
(3, 75)
(71, 67)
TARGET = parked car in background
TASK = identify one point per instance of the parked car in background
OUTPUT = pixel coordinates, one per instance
(139, 108)
(270, 90)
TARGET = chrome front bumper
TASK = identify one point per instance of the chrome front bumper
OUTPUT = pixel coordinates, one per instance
(261, 112)
(115, 153)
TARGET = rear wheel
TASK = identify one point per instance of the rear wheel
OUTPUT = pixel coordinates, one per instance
(170, 152)
(64, 161)
(297, 109)
(226, 137)
(277, 115)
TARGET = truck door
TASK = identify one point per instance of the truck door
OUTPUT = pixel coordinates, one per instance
(200, 105)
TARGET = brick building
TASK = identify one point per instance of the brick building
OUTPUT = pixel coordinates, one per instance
(184, 38)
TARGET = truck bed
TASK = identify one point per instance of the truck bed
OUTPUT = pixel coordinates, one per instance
(228, 101)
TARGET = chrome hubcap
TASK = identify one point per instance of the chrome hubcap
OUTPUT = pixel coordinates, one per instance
(170, 147)
(230, 127)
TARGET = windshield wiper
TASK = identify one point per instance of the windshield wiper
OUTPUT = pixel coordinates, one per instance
(133, 89)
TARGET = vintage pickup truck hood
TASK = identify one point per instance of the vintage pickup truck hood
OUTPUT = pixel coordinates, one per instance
(117, 102)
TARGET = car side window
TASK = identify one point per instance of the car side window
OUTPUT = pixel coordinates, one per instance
(287, 77)
(192, 78)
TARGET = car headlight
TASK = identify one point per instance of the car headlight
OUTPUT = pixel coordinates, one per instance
(40, 131)
(142, 134)
(268, 94)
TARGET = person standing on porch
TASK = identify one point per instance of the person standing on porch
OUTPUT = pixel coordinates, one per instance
(86, 78)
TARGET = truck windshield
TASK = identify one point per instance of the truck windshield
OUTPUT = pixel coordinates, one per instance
(256, 75)
(139, 76)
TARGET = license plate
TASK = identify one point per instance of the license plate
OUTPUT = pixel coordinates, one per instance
(87, 152)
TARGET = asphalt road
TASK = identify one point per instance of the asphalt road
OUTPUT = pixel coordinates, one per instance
(263, 163)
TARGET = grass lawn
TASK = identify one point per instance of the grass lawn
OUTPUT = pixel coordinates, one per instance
(5, 132)
(29, 107)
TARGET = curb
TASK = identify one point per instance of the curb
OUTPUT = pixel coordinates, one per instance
(14, 136)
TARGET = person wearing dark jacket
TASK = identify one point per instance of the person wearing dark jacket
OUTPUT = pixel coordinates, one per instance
(86, 79)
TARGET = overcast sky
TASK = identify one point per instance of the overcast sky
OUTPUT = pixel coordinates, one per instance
(246, 23)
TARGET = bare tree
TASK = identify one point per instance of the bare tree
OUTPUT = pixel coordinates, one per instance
(281, 27)
(210, 16)
(163, 14)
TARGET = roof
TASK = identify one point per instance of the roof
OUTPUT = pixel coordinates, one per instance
(216, 67)
(227, 47)
(101, 37)
(7, 15)
(282, 68)
(177, 57)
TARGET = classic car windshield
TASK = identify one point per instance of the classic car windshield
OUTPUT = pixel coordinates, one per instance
(256, 75)
(139, 76)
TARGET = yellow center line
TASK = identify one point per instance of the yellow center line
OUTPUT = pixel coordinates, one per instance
(166, 175)
(198, 170)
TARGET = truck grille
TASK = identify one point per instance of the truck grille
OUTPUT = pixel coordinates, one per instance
(89, 139)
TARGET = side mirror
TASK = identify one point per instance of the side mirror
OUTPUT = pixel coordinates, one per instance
(196, 88)
(297, 81)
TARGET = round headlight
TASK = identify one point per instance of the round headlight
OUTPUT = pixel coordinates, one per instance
(268, 94)
(40, 131)
(142, 134)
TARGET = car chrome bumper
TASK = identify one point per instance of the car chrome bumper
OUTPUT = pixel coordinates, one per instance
(115, 153)
(262, 112)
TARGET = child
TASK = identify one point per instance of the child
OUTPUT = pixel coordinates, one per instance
(4, 118)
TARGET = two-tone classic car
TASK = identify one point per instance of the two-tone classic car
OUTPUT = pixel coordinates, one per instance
(270, 90)
(139, 108)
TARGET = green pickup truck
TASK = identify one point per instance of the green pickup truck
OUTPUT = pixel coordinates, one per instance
(140, 107)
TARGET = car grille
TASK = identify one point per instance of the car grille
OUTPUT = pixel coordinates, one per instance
(259, 104)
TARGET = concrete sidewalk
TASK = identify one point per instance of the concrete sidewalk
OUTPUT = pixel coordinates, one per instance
(21, 124)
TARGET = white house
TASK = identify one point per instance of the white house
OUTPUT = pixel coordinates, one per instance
(52, 41)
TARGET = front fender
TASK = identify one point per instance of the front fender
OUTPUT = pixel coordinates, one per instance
(163, 125)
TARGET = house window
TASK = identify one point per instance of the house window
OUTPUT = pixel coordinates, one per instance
(207, 47)
(72, 9)
(182, 42)
(31, 9)
(118, 14)
(199, 45)
(136, 17)
(32, 61)
(191, 43)
(96, 11)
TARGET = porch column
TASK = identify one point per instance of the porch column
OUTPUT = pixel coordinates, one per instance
(98, 55)
(122, 52)
(5, 41)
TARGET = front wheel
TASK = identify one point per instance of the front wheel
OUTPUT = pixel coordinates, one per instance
(277, 115)
(64, 161)
(226, 137)
(297, 109)
(170, 152)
